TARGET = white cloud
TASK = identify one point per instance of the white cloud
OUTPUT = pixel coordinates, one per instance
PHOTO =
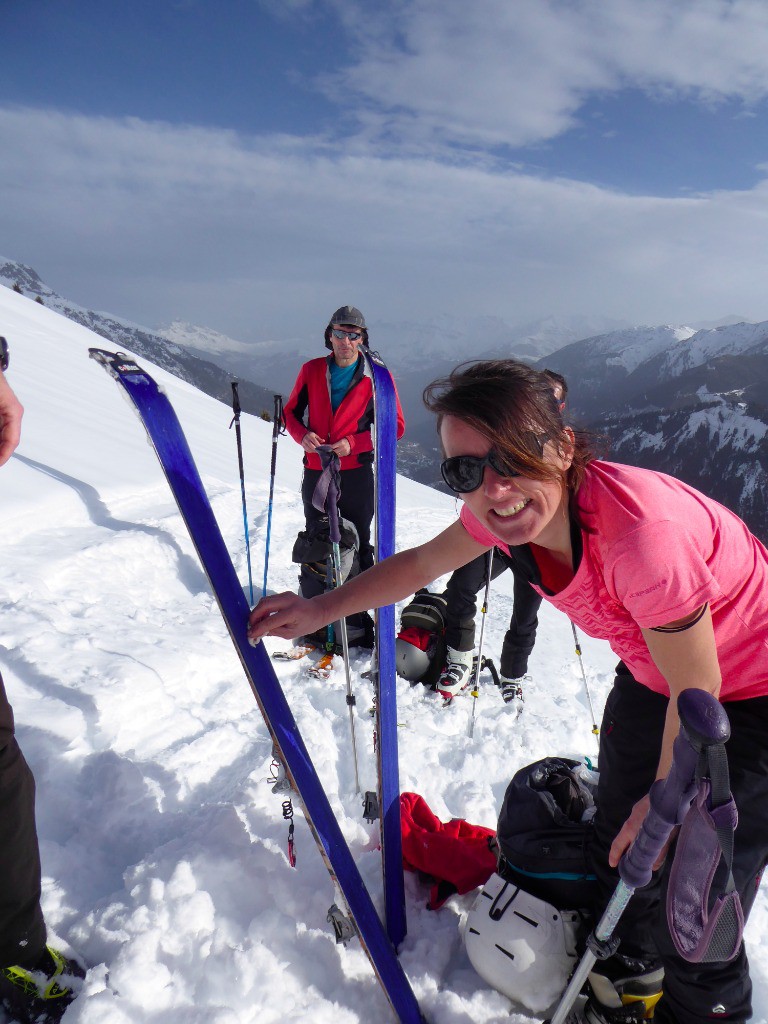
(258, 235)
(496, 72)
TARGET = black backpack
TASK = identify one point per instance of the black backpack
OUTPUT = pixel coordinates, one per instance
(313, 550)
(544, 831)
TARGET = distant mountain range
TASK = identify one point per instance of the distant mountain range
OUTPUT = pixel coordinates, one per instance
(687, 400)
(690, 403)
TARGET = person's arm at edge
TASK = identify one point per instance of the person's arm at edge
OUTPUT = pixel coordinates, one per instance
(11, 411)
(687, 660)
(288, 615)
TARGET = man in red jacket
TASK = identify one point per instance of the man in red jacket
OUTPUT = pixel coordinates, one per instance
(332, 403)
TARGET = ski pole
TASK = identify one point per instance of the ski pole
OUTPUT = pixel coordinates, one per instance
(277, 429)
(595, 727)
(703, 723)
(476, 687)
(331, 460)
(236, 421)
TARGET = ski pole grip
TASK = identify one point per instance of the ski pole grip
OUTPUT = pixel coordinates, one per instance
(703, 723)
(235, 399)
(703, 719)
(278, 417)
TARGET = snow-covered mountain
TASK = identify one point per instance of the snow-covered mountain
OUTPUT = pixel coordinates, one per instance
(197, 369)
(690, 403)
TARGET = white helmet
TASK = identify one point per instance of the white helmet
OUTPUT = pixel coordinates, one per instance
(521, 945)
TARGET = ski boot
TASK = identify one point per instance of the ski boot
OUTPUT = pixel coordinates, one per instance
(512, 690)
(40, 994)
(456, 674)
(623, 991)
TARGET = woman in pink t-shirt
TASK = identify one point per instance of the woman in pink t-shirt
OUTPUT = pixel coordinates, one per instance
(677, 585)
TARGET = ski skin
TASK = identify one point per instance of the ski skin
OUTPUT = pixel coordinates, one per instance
(170, 445)
(385, 468)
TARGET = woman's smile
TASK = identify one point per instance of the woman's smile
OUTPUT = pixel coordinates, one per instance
(515, 509)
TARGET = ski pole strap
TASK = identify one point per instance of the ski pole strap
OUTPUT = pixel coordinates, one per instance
(325, 497)
(706, 929)
(488, 663)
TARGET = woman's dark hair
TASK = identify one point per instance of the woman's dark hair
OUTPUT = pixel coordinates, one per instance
(513, 406)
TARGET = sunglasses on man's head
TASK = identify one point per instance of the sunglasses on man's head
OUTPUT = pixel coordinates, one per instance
(464, 473)
(337, 332)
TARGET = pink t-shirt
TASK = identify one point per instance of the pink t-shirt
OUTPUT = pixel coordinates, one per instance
(656, 550)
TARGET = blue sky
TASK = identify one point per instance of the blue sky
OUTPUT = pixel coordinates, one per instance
(242, 164)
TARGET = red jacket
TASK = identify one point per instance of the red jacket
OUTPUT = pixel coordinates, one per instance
(454, 855)
(309, 408)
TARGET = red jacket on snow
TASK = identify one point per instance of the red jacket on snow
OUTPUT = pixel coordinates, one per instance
(454, 855)
(309, 408)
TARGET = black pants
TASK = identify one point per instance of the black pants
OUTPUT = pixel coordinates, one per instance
(633, 724)
(356, 503)
(22, 929)
(461, 596)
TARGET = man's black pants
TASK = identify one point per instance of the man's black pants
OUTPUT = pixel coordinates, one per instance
(22, 929)
(630, 742)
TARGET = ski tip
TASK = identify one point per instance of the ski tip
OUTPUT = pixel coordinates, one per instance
(116, 363)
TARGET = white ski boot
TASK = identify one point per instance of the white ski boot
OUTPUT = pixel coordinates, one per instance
(456, 674)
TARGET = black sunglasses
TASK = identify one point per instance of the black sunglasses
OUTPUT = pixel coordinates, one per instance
(464, 473)
(352, 335)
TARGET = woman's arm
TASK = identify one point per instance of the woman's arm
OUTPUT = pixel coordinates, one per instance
(288, 615)
(687, 658)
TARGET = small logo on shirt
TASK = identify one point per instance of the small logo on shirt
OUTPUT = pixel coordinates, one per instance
(649, 590)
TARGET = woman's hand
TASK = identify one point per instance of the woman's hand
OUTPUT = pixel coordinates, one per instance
(629, 831)
(285, 615)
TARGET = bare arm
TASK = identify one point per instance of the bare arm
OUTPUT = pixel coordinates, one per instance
(11, 412)
(686, 659)
(288, 615)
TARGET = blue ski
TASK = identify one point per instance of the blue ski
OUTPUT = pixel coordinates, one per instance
(385, 413)
(167, 438)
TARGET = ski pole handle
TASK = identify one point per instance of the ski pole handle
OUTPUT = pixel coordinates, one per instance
(277, 421)
(703, 723)
(235, 399)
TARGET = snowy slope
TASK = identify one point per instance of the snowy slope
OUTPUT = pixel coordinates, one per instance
(163, 845)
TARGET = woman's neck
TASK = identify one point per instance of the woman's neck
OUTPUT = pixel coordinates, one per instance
(555, 538)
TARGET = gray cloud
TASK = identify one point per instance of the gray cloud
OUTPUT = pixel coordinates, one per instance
(259, 236)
